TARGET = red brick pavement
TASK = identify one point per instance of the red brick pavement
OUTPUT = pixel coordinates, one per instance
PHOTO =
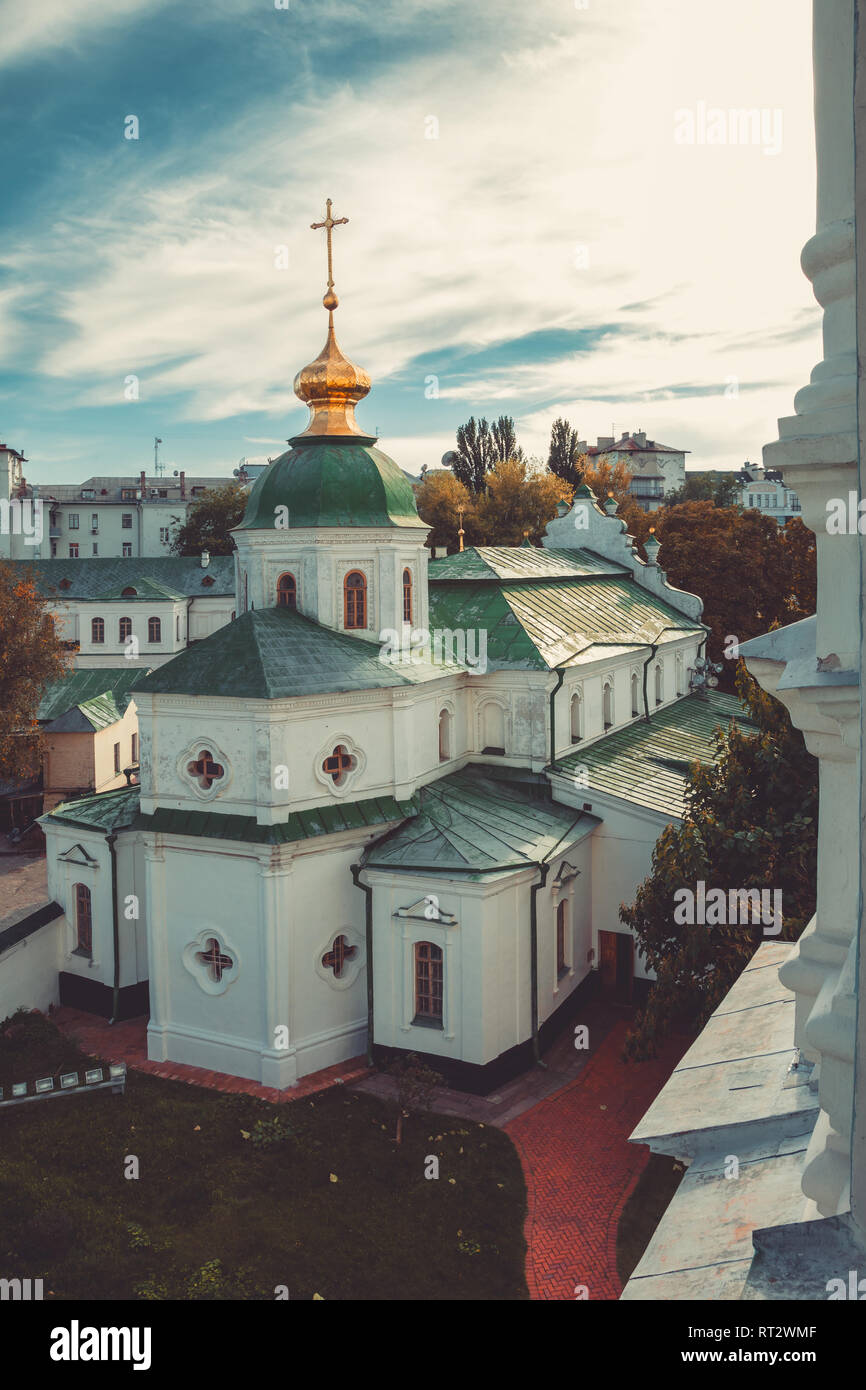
(580, 1168)
(127, 1042)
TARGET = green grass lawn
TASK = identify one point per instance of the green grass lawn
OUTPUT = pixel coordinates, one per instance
(216, 1215)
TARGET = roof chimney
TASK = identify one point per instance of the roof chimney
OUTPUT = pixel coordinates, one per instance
(142, 482)
(182, 486)
(605, 441)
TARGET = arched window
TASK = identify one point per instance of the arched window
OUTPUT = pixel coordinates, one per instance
(493, 729)
(97, 630)
(428, 984)
(287, 591)
(407, 596)
(444, 736)
(355, 600)
(177, 627)
(576, 717)
(680, 676)
(658, 683)
(561, 929)
(635, 706)
(124, 629)
(129, 592)
(607, 705)
(154, 630)
(83, 920)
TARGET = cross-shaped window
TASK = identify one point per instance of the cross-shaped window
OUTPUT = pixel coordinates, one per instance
(338, 955)
(206, 770)
(339, 764)
(214, 960)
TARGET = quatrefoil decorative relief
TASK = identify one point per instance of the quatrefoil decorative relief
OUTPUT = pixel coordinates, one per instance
(204, 768)
(212, 961)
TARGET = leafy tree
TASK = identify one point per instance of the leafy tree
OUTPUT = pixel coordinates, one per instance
(415, 1085)
(608, 479)
(711, 485)
(504, 436)
(437, 500)
(31, 655)
(210, 520)
(481, 445)
(799, 553)
(750, 822)
(563, 459)
(517, 500)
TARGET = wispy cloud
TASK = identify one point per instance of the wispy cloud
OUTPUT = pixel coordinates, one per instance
(553, 207)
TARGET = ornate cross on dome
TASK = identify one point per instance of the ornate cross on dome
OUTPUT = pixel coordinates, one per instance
(330, 300)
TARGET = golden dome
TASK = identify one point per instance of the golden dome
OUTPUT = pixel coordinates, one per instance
(331, 386)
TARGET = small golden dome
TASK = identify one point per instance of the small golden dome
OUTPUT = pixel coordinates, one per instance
(331, 386)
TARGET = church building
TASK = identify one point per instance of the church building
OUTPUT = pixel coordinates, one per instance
(395, 803)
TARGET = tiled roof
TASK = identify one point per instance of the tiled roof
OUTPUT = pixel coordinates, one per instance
(277, 653)
(479, 821)
(521, 562)
(630, 445)
(91, 578)
(647, 763)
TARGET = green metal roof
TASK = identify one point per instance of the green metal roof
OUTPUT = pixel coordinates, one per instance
(119, 810)
(480, 821)
(648, 763)
(83, 687)
(92, 578)
(145, 588)
(538, 625)
(276, 653)
(521, 562)
(105, 811)
(301, 825)
(338, 483)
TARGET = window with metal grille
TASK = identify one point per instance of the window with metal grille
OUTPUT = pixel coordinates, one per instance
(561, 925)
(355, 600)
(407, 596)
(83, 920)
(428, 983)
(287, 591)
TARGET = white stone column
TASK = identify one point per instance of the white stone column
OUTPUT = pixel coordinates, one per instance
(817, 450)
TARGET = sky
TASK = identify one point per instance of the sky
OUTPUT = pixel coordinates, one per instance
(552, 212)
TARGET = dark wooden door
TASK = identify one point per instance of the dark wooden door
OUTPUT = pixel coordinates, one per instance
(616, 965)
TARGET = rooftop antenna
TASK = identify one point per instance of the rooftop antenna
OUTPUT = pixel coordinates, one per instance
(158, 467)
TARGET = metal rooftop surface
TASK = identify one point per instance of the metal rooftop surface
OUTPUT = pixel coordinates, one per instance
(83, 686)
(536, 626)
(648, 763)
(146, 589)
(480, 821)
(277, 653)
(520, 562)
(300, 825)
(91, 578)
(114, 810)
